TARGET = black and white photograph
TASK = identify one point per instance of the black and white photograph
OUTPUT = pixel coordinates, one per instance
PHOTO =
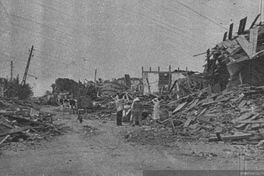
(131, 87)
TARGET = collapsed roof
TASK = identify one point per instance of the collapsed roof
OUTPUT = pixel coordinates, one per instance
(237, 59)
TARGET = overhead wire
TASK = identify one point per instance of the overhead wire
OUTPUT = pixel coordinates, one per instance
(201, 14)
(45, 25)
(26, 29)
(184, 31)
(47, 37)
(157, 22)
(34, 66)
(57, 61)
(169, 27)
(50, 8)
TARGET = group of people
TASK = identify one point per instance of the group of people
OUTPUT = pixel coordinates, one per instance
(69, 103)
(136, 110)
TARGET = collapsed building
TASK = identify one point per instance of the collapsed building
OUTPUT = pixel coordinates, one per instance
(237, 59)
(180, 82)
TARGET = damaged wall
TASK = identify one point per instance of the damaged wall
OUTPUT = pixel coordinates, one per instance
(252, 72)
(150, 83)
(153, 81)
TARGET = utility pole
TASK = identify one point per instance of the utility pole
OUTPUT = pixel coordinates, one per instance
(11, 74)
(95, 73)
(28, 63)
(260, 11)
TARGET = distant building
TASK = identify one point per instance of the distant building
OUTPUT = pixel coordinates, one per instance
(134, 84)
(160, 81)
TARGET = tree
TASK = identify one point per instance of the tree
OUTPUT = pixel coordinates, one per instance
(75, 88)
(24, 92)
(66, 85)
(14, 89)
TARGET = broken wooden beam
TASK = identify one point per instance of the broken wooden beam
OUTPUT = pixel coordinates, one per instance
(179, 107)
(231, 137)
(230, 31)
(173, 127)
(15, 130)
(254, 22)
(243, 117)
(3, 140)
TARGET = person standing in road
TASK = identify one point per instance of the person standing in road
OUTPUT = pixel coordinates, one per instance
(156, 109)
(119, 102)
(136, 112)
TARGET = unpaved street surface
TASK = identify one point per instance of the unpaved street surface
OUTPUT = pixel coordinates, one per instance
(98, 147)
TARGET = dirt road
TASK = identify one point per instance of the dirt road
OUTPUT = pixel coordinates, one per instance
(98, 147)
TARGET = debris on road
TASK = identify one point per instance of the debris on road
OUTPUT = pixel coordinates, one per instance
(20, 121)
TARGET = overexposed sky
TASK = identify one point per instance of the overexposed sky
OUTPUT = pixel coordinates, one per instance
(72, 38)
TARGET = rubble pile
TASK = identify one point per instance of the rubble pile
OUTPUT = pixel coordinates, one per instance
(111, 89)
(19, 121)
(12, 104)
(227, 116)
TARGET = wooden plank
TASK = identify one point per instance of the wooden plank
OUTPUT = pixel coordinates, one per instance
(188, 121)
(208, 103)
(230, 31)
(254, 117)
(240, 126)
(225, 35)
(243, 117)
(240, 27)
(233, 50)
(250, 121)
(230, 43)
(252, 25)
(4, 139)
(242, 104)
(244, 44)
(15, 130)
(179, 107)
(243, 25)
(253, 39)
(219, 137)
(194, 104)
(201, 113)
(173, 127)
(236, 136)
(242, 58)
(7, 125)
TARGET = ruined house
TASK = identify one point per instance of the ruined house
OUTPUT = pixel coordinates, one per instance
(158, 82)
(237, 59)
